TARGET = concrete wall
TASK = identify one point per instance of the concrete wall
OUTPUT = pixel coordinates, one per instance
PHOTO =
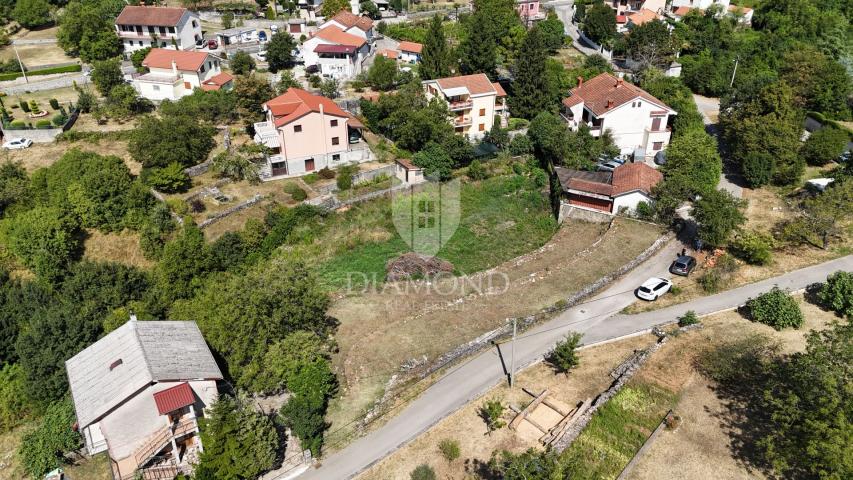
(630, 201)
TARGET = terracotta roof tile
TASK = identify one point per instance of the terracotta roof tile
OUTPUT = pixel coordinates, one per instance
(217, 82)
(682, 11)
(499, 89)
(155, 16)
(387, 53)
(635, 177)
(643, 16)
(350, 20)
(411, 47)
(336, 35)
(296, 103)
(605, 89)
(174, 398)
(163, 57)
(476, 84)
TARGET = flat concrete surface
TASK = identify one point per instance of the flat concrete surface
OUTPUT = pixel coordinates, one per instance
(598, 319)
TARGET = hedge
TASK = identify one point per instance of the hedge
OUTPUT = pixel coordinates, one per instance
(46, 71)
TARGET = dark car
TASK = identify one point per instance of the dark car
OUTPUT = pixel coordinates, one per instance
(212, 45)
(312, 69)
(683, 265)
(262, 36)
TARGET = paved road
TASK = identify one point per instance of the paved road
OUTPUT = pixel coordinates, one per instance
(710, 109)
(597, 319)
(34, 41)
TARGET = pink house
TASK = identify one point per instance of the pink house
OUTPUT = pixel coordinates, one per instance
(529, 10)
(307, 132)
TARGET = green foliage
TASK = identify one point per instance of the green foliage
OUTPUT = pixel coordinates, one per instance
(31, 13)
(520, 145)
(138, 56)
(837, 293)
(237, 164)
(14, 408)
(775, 308)
(718, 214)
(382, 74)
(825, 145)
(529, 464)
(434, 160)
(345, 175)
(44, 239)
(820, 82)
(329, 88)
(694, 157)
(312, 384)
(689, 318)
(86, 100)
(14, 185)
(753, 247)
(280, 50)
(241, 63)
(600, 24)
(239, 443)
(44, 71)
(123, 102)
(287, 81)
(87, 29)
(673, 92)
(422, 472)
(436, 55)
(719, 276)
(215, 106)
(652, 45)
(332, 7)
(160, 142)
(492, 412)
(552, 31)
(531, 93)
(43, 123)
(476, 171)
(182, 265)
(43, 449)
(564, 357)
(821, 218)
(169, 179)
(449, 449)
(54, 103)
(295, 191)
(106, 74)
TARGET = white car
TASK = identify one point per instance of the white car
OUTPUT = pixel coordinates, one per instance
(654, 288)
(17, 143)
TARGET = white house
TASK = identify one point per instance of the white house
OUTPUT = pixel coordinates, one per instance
(338, 54)
(408, 172)
(138, 393)
(638, 122)
(473, 100)
(237, 35)
(608, 192)
(139, 27)
(173, 74)
(700, 4)
(352, 24)
(410, 52)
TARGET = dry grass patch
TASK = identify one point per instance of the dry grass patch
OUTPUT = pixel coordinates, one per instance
(36, 56)
(122, 247)
(45, 154)
(10, 464)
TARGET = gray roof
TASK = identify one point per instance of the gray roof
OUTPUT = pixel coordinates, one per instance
(149, 352)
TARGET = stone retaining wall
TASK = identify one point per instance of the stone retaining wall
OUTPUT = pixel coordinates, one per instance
(236, 208)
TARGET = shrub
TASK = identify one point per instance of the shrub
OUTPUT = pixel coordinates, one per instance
(564, 357)
(25, 106)
(644, 211)
(44, 448)
(311, 178)
(520, 145)
(689, 318)
(18, 124)
(178, 206)
(775, 308)
(345, 175)
(169, 179)
(43, 124)
(476, 171)
(54, 103)
(422, 472)
(196, 205)
(295, 192)
(326, 173)
(449, 449)
(491, 413)
(517, 123)
(837, 293)
(59, 119)
(753, 247)
(825, 145)
(14, 408)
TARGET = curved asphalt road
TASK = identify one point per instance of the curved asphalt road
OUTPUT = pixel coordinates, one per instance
(598, 319)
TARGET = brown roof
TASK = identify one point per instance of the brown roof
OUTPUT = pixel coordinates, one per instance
(350, 20)
(499, 89)
(405, 162)
(387, 53)
(186, 61)
(626, 178)
(295, 103)
(217, 82)
(605, 92)
(643, 16)
(155, 16)
(682, 11)
(336, 35)
(174, 398)
(326, 48)
(476, 84)
(411, 47)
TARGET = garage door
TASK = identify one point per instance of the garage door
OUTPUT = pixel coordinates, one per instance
(590, 202)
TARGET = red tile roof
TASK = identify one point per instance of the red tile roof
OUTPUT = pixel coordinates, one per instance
(326, 48)
(682, 11)
(186, 61)
(635, 177)
(605, 92)
(476, 84)
(217, 82)
(336, 35)
(350, 20)
(643, 16)
(389, 53)
(174, 398)
(411, 47)
(295, 103)
(621, 19)
(155, 16)
(499, 89)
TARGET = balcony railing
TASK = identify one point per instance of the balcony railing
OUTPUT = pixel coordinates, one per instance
(162, 437)
(462, 121)
(461, 105)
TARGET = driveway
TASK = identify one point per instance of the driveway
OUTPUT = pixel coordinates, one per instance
(598, 319)
(710, 110)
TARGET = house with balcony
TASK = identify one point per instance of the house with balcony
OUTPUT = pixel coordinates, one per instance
(173, 74)
(607, 192)
(339, 54)
(140, 27)
(529, 11)
(473, 100)
(138, 394)
(306, 133)
(700, 4)
(639, 123)
(627, 7)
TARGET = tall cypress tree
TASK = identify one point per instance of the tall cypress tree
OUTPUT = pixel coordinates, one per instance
(531, 90)
(435, 61)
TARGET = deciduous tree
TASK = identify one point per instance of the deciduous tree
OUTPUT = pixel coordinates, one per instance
(160, 142)
(31, 13)
(600, 24)
(280, 50)
(718, 214)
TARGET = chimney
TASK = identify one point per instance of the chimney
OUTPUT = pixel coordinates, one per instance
(132, 316)
(618, 82)
(174, 68)
(580, 81)
(609, 103)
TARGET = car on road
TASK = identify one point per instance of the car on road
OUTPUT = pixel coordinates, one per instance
(17, 144)
(683, 265)
(262, 36)
(312, 69)
(653, 288)
(609, 166)
(274, 28)
(212, 45)
(200, 43)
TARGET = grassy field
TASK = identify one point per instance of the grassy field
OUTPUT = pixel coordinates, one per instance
(95, 468)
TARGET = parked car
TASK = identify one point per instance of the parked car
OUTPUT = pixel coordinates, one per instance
(262, 36)
(609, 166)
(683, 265)
(212, 45)
(312, 69)
(200, 43)
(653, 288)
(17, 144)
(274, 29)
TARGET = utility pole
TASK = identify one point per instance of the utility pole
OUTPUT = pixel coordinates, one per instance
(737, 59)
(512, 362)
(20, 64)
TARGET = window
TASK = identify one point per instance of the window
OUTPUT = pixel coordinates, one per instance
(150, 29)
(657, 145)
(482, 127)
(202, 69)
(156, 88)
(162, 30)
(336, 140)
(188, 85)
(336, 157)
(482, 112)
(140, 43)
(195, 24)
(333, 123)
(171, 29)
(297, 128)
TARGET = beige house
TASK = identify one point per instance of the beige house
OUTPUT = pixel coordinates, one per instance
(308, 132)
(138, 393)
(139, 27)
(173, 74)
(474, 102)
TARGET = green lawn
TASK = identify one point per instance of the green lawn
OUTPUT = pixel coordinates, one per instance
(617, 431)
(501, 218)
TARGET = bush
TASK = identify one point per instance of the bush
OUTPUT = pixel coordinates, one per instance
(54, 103)
(169, 179)
(18, 124)
(44, 124)
(517, 123)
(14, 408)
(311, 178)
(295, 192)
(520, 145)
(644, 211)
(46, 71)
(422, 472)
(476, 171)
(564, 357)
(196, 205)
(59, 119)
(689, 318)
(44, 448)
(345, 175)
(753, 247)
(824, 146)
(449, 449)
(837, 293)
(25, 106)
(492, 412)
(178, 206)
(326, 173)
(775, 308)
(715, 279)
